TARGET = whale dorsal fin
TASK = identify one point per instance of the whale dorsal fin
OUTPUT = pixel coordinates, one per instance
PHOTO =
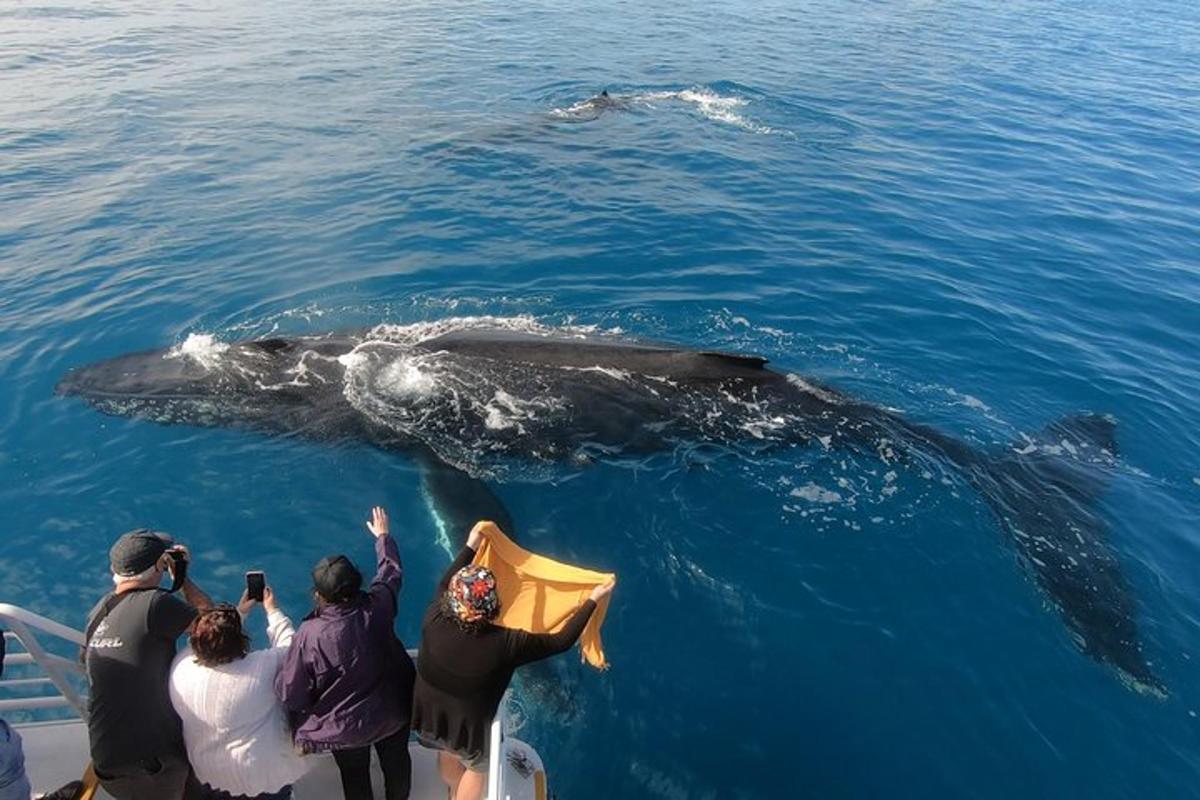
(752, 362)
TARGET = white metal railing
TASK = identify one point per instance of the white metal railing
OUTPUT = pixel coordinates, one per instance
(495, 787)
(21, 625)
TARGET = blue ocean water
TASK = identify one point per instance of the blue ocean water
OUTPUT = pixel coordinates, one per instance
(983, 214)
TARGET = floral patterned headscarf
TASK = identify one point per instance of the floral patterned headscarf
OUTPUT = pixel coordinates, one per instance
(472, 594)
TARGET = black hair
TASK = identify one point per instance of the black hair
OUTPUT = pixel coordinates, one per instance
(336, 579)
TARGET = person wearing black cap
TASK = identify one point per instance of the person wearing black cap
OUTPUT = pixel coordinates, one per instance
(136, 737)
(347, 680)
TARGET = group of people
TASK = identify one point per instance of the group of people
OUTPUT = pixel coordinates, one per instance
(218, 721)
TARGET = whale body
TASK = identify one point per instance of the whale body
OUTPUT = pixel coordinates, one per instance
(467, 399)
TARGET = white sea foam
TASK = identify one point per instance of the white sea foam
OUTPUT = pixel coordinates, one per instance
(612, 372)
(505, 411)
(816, 391)
(711, 105)
(763, 427)
(203, 348)
(969, 401)
(417, 332)
(408, 376)
(815, 494)
(721, 108)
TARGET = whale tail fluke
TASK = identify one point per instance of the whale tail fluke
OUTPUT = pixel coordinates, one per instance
(1045, 492)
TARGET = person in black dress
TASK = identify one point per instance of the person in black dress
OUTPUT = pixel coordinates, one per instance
(465, 664)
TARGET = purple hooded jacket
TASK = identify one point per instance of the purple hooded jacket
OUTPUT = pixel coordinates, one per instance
(347, 679)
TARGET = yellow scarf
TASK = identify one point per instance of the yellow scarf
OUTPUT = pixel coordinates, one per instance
(538, 594)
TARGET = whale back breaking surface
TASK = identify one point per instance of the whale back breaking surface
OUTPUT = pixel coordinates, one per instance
(478, 397)
(584, 352)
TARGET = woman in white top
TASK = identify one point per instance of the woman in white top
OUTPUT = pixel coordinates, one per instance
(236, 731)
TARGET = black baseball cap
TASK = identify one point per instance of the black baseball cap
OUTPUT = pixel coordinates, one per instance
(137, 551)
(336, 579)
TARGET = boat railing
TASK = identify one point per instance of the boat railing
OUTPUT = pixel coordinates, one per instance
(495, 784)
(23, 627)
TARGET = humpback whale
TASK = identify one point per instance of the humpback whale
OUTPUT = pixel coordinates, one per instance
(462, 400)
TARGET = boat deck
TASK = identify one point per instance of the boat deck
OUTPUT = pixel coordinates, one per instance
(57, 752)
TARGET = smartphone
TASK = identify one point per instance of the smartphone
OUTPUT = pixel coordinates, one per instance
(255, 583)
(179, 568)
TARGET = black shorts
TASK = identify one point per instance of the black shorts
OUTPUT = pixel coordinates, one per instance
(475, 762)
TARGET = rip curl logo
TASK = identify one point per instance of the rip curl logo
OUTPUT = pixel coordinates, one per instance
(106, 644)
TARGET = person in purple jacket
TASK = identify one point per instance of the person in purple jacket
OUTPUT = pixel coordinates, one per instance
(347, 679)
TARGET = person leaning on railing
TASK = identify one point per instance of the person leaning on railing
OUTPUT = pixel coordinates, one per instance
(136, 737)
(235, 729)
(466, 662)
(14, 783)
(347, 679)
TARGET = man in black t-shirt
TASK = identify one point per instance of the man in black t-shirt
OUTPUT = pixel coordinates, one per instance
(136, 737)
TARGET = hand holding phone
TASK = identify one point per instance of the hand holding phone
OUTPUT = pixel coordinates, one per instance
(256, 582)
(178, 558)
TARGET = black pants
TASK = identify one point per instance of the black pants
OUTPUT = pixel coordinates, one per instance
(355, 766)
(209, 793)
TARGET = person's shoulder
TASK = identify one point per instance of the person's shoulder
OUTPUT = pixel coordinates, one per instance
(136, 603)
(159, 600)
(136, 597)
(184, 669)
(156, 596)
(309, 627)
(184, 661)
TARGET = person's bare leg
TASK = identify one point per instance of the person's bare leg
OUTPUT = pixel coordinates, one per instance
(451, 770)
(472, 786)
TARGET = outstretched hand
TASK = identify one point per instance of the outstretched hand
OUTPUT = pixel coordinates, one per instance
(246, 605)
(169, 562)
(378, 523)
(475, 538)
(603, 590)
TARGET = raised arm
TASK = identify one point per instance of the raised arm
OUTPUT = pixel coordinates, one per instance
(526, 647)
(389, 574)
(462, 559)
(280, 630)
(196, 597)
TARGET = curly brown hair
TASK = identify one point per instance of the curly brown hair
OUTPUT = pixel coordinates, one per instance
(217, 636)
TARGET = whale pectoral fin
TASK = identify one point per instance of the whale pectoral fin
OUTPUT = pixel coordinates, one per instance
(458, 500)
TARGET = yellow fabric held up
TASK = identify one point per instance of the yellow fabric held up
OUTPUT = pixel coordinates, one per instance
(538, 594)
